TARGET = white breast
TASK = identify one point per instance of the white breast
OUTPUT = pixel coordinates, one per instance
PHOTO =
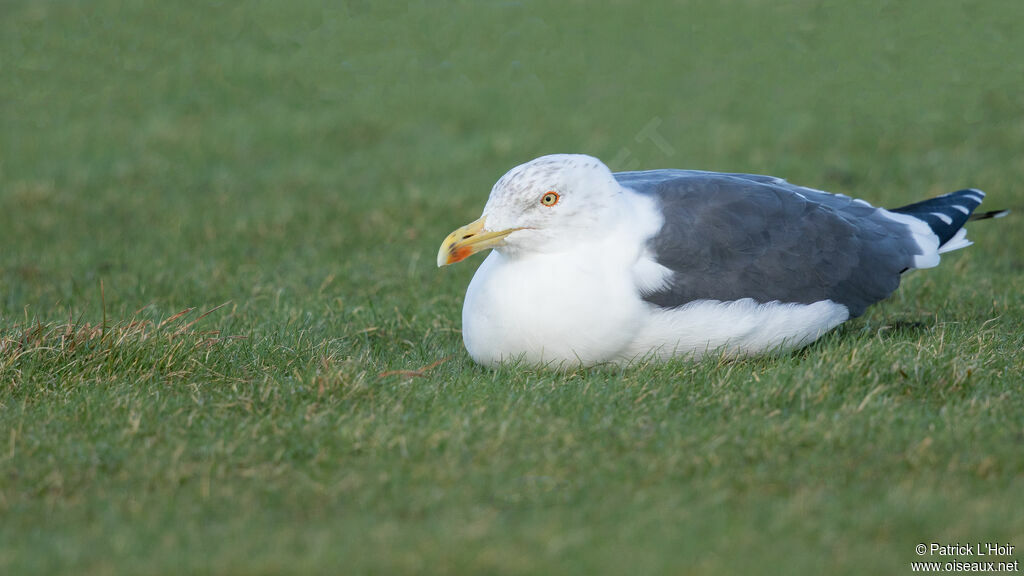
(548, 309)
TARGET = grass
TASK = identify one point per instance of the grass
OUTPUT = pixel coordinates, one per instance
(225, 348)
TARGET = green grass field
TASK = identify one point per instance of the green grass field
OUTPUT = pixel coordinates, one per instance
(225, 347)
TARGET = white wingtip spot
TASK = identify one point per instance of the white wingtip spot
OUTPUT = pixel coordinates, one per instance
(973, 197)
(958, 241)
(963, 209)
(943, 217)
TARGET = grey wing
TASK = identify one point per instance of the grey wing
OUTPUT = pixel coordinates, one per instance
(732, 236)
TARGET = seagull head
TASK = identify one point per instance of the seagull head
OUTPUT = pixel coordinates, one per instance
(540, 206)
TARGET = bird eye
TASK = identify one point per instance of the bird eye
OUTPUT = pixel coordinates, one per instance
(549, 199)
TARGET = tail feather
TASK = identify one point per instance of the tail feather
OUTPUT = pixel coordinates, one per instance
(947, 214)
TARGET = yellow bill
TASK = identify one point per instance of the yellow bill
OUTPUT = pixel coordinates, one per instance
(469, 240)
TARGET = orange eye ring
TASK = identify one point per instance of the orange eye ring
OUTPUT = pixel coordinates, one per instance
(550, 198)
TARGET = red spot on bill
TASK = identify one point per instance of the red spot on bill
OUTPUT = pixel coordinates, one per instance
(459, 254)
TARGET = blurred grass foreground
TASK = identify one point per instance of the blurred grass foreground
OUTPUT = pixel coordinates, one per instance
(225, 348)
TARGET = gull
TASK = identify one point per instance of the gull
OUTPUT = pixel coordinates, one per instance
(592, 267)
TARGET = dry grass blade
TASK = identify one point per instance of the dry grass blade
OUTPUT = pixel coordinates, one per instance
(174, 318)
(414, 373)
(201, 316)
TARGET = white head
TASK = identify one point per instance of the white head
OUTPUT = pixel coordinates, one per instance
(540, 206)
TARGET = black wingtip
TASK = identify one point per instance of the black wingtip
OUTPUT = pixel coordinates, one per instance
(986, 215)
(946, 214)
